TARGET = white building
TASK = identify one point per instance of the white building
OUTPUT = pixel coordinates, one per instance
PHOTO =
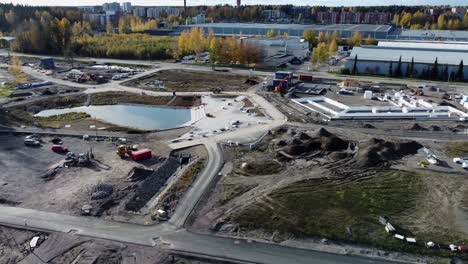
(199, 19)
(100, 19)
(139, 11)
(114, 6)
(127, 7)
(377, 59)
(160, 11)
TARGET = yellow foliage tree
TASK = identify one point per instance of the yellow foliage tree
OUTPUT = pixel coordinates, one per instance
(309, 36)
(16, 70)
(333, 48)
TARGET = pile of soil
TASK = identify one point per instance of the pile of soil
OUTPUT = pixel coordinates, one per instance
(375, 152)
(263, 166)
(320, 140)
(152, 184)
(417, 127)
(138, 174)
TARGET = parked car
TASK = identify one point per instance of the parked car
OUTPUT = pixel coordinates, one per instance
(116, 77)
(33, 136)
(32, 142)
(59, 149)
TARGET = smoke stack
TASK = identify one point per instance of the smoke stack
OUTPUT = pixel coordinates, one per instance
(185, 12)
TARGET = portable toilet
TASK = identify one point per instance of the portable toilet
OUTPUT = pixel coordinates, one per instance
(368, 95)
(47, 63)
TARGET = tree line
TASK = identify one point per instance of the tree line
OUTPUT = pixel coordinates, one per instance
(419, 20)
(223, 50)
(325, 45)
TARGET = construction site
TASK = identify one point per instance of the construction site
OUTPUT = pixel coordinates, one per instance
(301, 185)
(176, 164)
(195, 81)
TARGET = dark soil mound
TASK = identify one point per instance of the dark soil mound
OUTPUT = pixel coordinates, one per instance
(435, 128)
(338, 155)
(263, 167)
(281, 143)
(303, 136)
(368, 126)
(281, 130)
(417, 127)
(333, 143)
(321, 133)
(320, 140)
(377, 151)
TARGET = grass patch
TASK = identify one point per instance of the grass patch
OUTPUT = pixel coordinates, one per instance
(457, 149)
(7, 89)
(339, 210)
(22, 117)
(128, 130)
(112, 98)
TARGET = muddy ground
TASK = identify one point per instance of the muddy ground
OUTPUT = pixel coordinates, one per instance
(321, 184)
(193, 81)
(26, 180)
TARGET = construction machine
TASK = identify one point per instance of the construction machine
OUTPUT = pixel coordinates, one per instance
(125, 150)
(279, 87)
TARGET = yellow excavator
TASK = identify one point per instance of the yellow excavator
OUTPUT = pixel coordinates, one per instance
(123, 150)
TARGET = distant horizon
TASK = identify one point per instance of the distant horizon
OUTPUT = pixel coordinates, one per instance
(331, 3)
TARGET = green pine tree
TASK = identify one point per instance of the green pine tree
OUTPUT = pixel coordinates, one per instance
(445, 74)
(411, 68)
(398, 71)
(354, 71)
(435, 70)
(390, 69)
(460, 75)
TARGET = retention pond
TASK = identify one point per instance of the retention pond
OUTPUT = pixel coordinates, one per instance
(135, 116)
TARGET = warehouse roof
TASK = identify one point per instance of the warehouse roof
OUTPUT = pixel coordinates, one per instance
(439, 45)
(420, 55)
(435, 34)
(333, 27)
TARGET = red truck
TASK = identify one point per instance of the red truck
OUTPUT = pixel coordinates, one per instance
(142, 154)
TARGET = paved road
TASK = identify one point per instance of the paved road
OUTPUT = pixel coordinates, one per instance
(190, 200)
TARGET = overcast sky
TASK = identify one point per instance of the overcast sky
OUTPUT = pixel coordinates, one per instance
(247, 2)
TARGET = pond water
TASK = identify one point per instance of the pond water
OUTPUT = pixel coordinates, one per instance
(136, 116)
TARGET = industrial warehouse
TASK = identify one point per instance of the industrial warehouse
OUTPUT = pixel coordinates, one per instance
(385, 57)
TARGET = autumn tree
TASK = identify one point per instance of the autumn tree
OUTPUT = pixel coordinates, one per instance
(215, 49)
(309, 36)
(271, 33)
(123, 26)
(16, 70)
(441, 23)
(356, 39)
(109, 28)
(333, 48)
(371, 40)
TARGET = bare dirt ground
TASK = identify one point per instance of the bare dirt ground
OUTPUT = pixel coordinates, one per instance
(317, 185)
(60, 248)
(21, 182)
(193, 81)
